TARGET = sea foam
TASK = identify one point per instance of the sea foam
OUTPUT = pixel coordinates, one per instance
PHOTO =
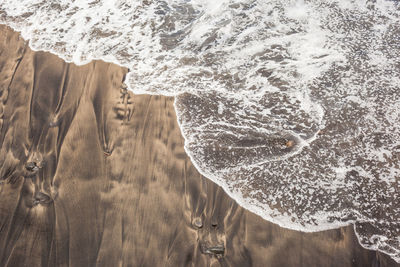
(293, 107)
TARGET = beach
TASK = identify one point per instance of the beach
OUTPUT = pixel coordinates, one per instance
(93, 175)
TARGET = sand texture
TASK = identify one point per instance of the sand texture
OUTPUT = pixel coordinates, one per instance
(92, 175)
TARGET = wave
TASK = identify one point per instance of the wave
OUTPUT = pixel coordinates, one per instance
(292, 106)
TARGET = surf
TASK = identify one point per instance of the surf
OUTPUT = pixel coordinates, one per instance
(291, 106)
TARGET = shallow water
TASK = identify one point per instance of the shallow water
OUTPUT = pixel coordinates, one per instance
(292, 106)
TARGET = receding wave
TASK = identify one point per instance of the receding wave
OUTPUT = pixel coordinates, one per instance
(292, 106)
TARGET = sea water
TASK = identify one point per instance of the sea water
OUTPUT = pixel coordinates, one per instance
(292, 106)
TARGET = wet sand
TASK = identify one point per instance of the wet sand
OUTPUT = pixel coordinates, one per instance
(92, 175)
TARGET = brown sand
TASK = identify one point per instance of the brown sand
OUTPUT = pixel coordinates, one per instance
(92, 175)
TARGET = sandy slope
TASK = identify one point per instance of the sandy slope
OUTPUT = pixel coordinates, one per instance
(91, 175)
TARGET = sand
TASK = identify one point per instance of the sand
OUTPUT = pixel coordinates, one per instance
(92, 175)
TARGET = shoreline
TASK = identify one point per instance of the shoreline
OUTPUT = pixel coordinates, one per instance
(214, 229)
